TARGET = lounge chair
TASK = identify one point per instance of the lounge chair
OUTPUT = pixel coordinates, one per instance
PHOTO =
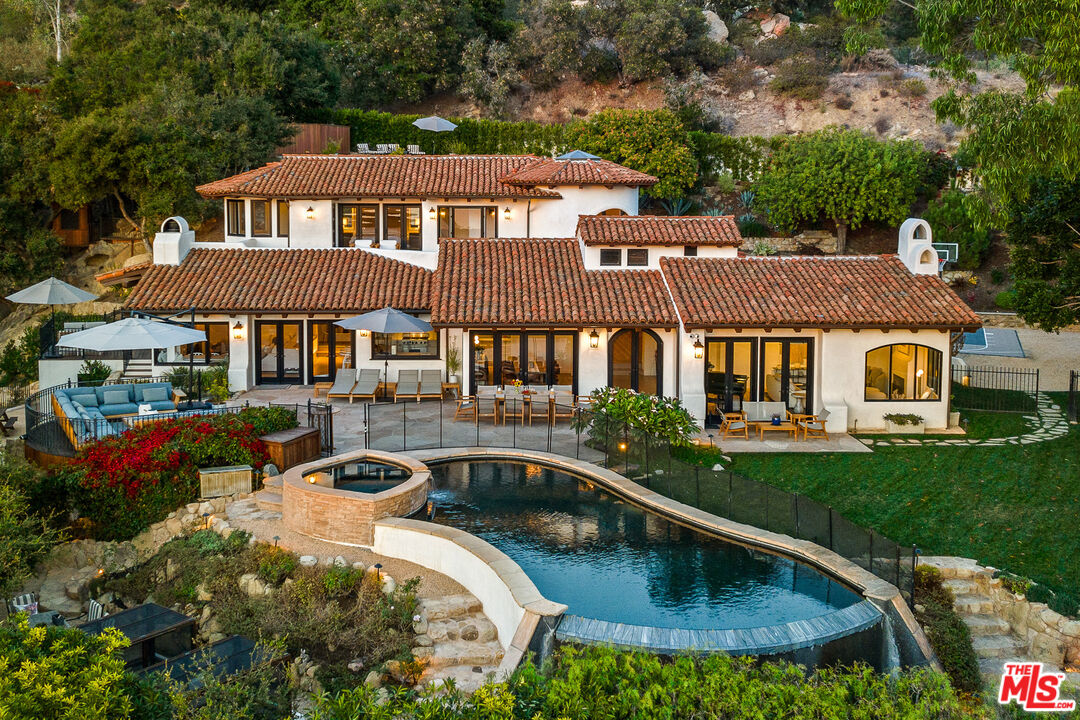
(367, 385)
(363, 148)
(381, 149)
(430, 384)
(408, 385)
(27, 603)
(343, 385)
(413, 149)
(814, 426)
(735, 424)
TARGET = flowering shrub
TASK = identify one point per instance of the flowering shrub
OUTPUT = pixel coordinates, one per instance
(616, 412)
(126, 482)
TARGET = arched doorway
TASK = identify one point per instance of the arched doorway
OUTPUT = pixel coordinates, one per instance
(635, 361)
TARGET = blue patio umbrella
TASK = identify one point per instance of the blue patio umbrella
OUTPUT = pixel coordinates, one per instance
(389, 321)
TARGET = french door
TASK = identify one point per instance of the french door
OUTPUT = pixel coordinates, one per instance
(729, 376)
(787, 374)
(279, 351)
(330, 348)
(635, 361)
(534, 358)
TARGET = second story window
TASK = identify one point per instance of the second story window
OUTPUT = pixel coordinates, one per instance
(689, 251)
(260, 218)
(638, 257)
(468, 222)
(357, 225)
(611, 256)
(234, 218)
(401, 224)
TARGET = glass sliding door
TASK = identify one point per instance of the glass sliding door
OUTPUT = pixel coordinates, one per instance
(357, 225)
(536, 357)
(564, 351)
(279, 351)
(509, 357)
(483, 366)
(330, 350)
(729, 376)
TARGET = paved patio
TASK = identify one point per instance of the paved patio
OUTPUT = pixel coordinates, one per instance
(431, 424)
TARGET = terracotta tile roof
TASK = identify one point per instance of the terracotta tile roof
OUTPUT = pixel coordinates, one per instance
(653, 230)
(540, 283)
(123, 275)
(356, 176)
(847, 292)
(244, 280)
(594, 171)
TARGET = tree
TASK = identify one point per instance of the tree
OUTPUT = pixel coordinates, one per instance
(1044, 233)
(1014, 135)
(25, 536)
(843, 176)
(651, 141)
(951, 222)
(488, 74)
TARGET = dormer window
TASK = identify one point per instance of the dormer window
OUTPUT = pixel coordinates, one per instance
(610, 257)
(234, 218)
(637, 257)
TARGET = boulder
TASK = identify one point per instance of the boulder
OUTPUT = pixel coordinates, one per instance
(373, 679)
(747, 96)
(718, 30)
(253, 586)
(781, 23)
(340, 561)
(270, 470)
(881, 59)
(202, 594)
(356, 665)
(309, 560)
(359, 566)
(389, 585)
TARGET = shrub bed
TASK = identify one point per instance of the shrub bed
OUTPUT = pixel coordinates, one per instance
(122, 484)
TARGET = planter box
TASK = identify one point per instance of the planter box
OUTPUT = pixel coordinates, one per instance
(894, 429)
(293, 447)
(954, 419)
(226, 480)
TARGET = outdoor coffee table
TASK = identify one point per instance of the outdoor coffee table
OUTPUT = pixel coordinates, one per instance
(764, 427)
(321, 386)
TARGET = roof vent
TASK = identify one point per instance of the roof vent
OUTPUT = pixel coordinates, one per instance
(577, 155)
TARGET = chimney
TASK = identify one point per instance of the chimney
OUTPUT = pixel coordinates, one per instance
(915, 248)
(173, 242)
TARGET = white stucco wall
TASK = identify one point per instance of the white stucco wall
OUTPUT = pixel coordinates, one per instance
(315, 232)
(57, 371)
(558, 218)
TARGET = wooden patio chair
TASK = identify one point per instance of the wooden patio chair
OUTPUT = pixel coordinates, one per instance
(466, 408)
(564, 403)
(7, 423)
(814, 426)
(539, 403)
(735, 424)
(487, 403)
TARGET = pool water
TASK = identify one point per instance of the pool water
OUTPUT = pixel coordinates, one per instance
(610, 560)
(365, 477)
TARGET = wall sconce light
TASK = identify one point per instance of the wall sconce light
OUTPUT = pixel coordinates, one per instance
(594, 339)
(238, 331)
(365, 333)
(310, 213)
(699, 349)
(431, 213)
(506, 213)
(476, 340)
(919, 373)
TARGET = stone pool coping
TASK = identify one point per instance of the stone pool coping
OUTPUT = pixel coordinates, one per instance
(884, 595)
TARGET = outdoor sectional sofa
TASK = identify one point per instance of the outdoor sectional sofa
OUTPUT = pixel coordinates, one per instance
(87, 413)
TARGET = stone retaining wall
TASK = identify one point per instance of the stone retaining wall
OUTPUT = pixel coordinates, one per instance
(823, 241)
(1050, 636)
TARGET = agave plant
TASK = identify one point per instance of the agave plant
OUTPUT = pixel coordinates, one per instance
(677, 206)
(747, 198)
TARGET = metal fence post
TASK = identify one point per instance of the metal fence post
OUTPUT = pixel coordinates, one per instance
(697, 482)
(871, 552)
(830, 530)
(440, 421)
(730, 482)
(897, 565)
(404, 429)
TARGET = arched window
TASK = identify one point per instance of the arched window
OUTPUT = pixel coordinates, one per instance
(903, 372)
(635, 361)
(926, 257)
(614, 211)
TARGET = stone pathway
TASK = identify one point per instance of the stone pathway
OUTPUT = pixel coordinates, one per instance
(1048, 424)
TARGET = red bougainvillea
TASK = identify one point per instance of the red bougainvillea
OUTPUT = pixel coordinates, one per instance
(126, 482)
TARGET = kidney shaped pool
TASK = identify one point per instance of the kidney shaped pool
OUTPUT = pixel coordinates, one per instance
(609, 560)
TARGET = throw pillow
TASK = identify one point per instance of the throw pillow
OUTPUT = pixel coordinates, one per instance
(85, 399)
(115, 397)
(157, 394)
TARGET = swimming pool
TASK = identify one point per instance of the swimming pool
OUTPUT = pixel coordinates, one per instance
(614, 563)
(367, 476)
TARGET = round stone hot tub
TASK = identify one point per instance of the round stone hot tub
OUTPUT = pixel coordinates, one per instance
(339, 499)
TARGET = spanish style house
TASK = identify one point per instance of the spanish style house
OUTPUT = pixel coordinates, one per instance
(541, 270)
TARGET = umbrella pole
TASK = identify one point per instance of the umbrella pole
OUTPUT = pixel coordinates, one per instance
(386, 383)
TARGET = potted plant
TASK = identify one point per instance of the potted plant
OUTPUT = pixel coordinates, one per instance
(905, 423)
(216, 384)
(453, 363)
(94, 373)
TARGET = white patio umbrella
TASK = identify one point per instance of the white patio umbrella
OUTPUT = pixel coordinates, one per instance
(387, 320)
(434, 123)
(51, 292)
(132, 333)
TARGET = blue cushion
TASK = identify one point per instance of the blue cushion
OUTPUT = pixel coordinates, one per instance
(119, 409)
(154, 394)
(163, 405)
(84, 396)
(114, 397)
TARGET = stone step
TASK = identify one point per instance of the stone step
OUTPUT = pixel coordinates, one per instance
(274, 481)
(973, 605)
(467, 678)
(458, 652)
(449, 606)
(469, 628)
(997, 646)
(995, 667)
(961, 587)
(268, 500)
(985, 625)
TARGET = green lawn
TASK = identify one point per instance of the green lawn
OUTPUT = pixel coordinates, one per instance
(1013, 507)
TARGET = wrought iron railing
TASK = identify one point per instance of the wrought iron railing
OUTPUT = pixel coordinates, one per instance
(997, 389)
(1073, 404)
